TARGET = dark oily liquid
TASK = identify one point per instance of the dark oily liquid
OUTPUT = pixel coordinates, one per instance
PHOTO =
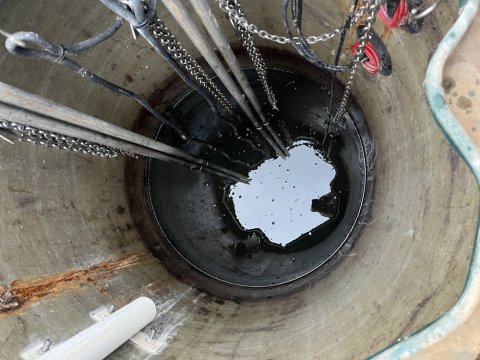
(278, 200)
(290, 204)
(295, 214)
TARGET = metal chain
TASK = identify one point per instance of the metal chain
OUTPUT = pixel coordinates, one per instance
(23, 133)
(372, 7)
(179, 53)
(248, 44)
(240, 19)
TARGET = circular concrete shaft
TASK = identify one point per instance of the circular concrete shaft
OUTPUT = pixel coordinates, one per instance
(68, 243)
(196, 216)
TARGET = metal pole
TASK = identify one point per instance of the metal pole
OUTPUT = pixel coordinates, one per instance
(117, 7)
(25, 117)
(210, 23)
(19, 106)
(179, 12)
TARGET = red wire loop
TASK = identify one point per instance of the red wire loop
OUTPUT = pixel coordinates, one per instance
(372, 64)
(399, 18)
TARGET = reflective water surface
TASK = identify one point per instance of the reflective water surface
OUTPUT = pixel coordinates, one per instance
(278, 200)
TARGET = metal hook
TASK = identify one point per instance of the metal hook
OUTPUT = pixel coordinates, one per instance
(415, 17)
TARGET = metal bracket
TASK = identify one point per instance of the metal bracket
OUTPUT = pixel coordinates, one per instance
(414, 23)
(36, 351)
(143, 341)
(128, 4)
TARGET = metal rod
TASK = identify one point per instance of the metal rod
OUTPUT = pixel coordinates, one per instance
(19, 106)
(51, 52)
(180, 14)
(56, 54)
(427, 11)
(28, 118)
(117, 7)
(210, 23)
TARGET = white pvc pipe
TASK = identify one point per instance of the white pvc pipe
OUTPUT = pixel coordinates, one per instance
(102, 338)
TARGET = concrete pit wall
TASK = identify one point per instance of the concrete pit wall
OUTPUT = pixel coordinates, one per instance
(68, 243)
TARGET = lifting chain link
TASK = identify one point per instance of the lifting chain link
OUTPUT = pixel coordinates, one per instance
(23, 133)
(240, 19)
(184, 59)
(248, 44)
(371, 8)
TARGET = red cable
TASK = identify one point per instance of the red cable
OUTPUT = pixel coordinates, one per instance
(399, 18)
(373, 64)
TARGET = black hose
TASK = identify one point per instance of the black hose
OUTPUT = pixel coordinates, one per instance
(136, 17)
(300, 43)
(49, 51)
(140, 22)
(140, 19)
(96, 39)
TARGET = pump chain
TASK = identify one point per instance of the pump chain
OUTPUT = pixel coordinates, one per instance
(372, 8)
(240, 19)
(15, 132)
(181, 55)
(248, 44)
